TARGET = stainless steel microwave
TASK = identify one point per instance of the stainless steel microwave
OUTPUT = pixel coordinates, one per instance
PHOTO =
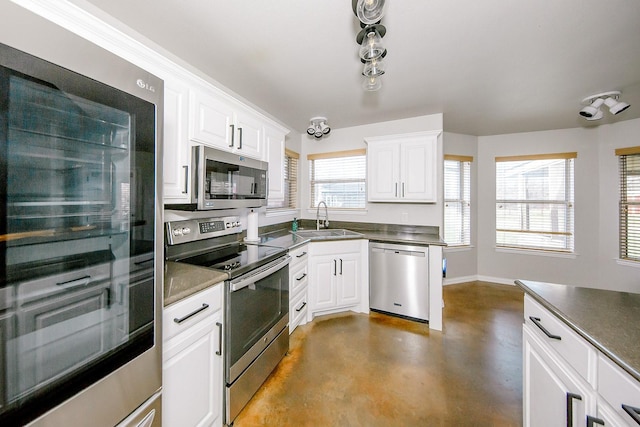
(223, 180)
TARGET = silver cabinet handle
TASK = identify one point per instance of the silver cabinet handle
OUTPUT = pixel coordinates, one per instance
(186, 179)
(396, 189)
(341, 266)
(403, 189)
(233, 135)
(301, 277)
(219, 352)
(240, 142)
(301, 307)
(593, 420)
(190, 315)
(335, 267)
(301, 255)
(80, 281)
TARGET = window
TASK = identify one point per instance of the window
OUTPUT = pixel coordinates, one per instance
(534, 202)
(338, 179)
(290, 182)
(629, 203)
(457, 200)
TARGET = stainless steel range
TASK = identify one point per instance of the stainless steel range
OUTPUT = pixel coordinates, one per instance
(256, 304)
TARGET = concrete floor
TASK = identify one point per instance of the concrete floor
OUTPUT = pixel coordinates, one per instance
(378, 370)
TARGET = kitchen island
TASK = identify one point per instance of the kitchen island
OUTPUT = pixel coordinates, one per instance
(581, 357)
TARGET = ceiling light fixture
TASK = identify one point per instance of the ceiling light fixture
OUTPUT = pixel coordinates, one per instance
(371, 51)
(610, 99)
(318, 127)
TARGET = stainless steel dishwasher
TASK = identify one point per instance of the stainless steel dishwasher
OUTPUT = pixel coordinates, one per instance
(399, 280)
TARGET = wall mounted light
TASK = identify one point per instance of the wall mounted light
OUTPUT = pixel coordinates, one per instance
(318, 127)
(610, 99)
(369, 11)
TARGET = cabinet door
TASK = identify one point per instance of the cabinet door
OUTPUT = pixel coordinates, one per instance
(348, 288)
(248, 140)
(192, 376)
(274, 143)
(323, 283)
(551, 393)
(419, 170)
(211, 121)
(177, 153)
(383, 171)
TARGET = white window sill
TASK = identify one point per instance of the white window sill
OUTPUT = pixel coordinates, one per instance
(334, 211)
(627, 263)
(537, 253)
(273, 212)
(460, 248)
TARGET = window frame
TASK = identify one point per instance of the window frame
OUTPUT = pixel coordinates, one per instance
(568, 202)
(625, 226)
(311, 158)
(465, 203)
(291, 158)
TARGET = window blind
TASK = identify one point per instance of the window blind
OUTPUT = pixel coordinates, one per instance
(629, 227)
(457, 200)
(338, 179)
(290, 182)
(535, 202)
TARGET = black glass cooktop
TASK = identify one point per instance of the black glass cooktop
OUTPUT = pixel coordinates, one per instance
(236, 258)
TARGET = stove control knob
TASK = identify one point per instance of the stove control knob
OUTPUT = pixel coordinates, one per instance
(238, 224)
(177, 232)
(228, 225)
(186, 230)
(235, 224)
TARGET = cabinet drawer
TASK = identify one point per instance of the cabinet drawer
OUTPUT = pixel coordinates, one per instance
(298, 279)
(297, 310)
(299, 255)
(190, 311)
(568, 344)
(618, 388)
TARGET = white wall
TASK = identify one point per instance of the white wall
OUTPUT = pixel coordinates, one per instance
(596, 201)
(461, 262)
(353, 138)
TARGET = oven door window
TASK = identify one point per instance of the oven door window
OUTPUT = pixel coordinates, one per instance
(254, 310)
(77, 236)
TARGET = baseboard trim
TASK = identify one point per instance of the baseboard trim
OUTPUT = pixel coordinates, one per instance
(465, 279)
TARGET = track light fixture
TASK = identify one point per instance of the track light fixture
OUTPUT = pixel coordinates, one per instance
(318, 127)
(371, 51)
(610, 99)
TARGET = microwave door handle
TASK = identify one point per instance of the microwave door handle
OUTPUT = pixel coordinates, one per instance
(253, 278)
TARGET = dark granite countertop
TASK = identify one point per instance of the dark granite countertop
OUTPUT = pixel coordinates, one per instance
(608, 320)
(182, 280)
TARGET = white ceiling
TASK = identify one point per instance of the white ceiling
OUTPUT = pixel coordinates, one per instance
(491, 66)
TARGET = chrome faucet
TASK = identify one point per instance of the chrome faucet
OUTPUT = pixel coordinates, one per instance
(325, 222)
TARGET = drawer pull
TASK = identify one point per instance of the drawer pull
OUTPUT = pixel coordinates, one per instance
(634, 413)
(570, 397)
(301, 255)
(536, 321)
(301, 307)
(188, 316)
(301, 277)
(219, 352)
(593, 420)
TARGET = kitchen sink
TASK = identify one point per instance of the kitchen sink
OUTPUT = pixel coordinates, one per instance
(328, 234)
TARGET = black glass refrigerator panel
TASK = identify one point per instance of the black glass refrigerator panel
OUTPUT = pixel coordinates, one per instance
(77, 201)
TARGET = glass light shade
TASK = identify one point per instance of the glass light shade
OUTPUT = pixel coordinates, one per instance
(370, 11)
(373, 68)
(371, 46)
(371, 83)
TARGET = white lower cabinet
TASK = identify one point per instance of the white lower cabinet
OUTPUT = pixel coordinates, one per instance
(567, 381)
(338, 277)
(298, 285)
(192, 361)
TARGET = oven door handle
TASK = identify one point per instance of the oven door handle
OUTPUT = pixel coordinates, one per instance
(244, 281)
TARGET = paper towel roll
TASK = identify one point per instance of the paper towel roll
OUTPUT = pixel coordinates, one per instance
(252, 227)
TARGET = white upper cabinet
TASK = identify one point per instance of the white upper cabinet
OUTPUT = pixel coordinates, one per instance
(177, 155)
(274, 144)
(403, 168)
(222, 124)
